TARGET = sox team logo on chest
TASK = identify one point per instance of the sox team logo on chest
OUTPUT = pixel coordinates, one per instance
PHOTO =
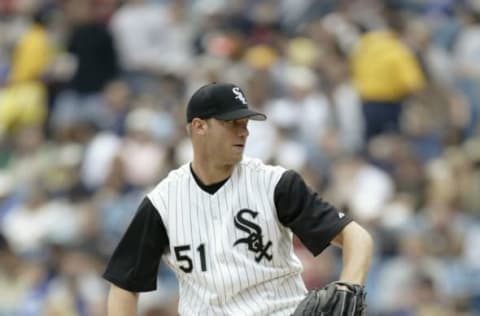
(254, 240)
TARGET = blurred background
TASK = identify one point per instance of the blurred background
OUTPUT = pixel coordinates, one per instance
(375, 103)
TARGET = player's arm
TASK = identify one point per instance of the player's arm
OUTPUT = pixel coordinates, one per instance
(318, 224)
(122, 302)
(357, 251)
(133, 266)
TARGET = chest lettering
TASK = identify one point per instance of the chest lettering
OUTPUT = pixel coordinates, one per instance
(254, 240)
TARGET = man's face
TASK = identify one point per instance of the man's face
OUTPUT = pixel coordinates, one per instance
(226, 139)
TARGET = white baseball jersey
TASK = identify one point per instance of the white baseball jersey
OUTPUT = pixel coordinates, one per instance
(231, 248)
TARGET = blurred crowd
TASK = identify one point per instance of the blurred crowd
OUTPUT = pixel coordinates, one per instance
(375, 103)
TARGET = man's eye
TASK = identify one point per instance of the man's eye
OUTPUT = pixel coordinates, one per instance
(233, 123)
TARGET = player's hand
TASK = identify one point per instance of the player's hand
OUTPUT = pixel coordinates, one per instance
(335, 299)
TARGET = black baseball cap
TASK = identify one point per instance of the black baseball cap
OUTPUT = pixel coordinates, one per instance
(223, 101)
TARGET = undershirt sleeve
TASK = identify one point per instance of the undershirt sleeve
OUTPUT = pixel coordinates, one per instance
(134, 264)
(310, 218)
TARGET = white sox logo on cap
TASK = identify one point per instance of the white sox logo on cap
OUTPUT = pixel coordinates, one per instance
(239, 95)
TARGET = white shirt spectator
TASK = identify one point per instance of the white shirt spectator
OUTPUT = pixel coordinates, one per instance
(349, 117)
(262, 140)
(27, 229)
(99, 156)
(149, 38)
(467, 51)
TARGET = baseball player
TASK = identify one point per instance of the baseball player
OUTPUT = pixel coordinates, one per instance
(224, 224)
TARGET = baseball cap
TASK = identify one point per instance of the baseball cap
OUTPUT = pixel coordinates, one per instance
(223, 101)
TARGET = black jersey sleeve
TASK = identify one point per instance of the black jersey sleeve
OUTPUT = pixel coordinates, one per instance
(134, 264)
(310, 218)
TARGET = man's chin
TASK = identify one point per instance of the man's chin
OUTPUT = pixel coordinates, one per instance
(236, 158)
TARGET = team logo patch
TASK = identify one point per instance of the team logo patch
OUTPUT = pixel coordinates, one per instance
(239, 95)
(254, 240)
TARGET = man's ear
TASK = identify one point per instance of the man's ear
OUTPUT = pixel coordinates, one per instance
(199, 126)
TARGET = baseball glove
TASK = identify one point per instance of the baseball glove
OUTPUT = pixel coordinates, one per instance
(334, 299)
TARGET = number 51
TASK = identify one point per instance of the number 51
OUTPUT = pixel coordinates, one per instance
(187, 264)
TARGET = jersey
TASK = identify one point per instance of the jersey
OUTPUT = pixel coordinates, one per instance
(230, 249)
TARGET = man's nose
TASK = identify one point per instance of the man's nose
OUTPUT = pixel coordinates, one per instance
(243, 131)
